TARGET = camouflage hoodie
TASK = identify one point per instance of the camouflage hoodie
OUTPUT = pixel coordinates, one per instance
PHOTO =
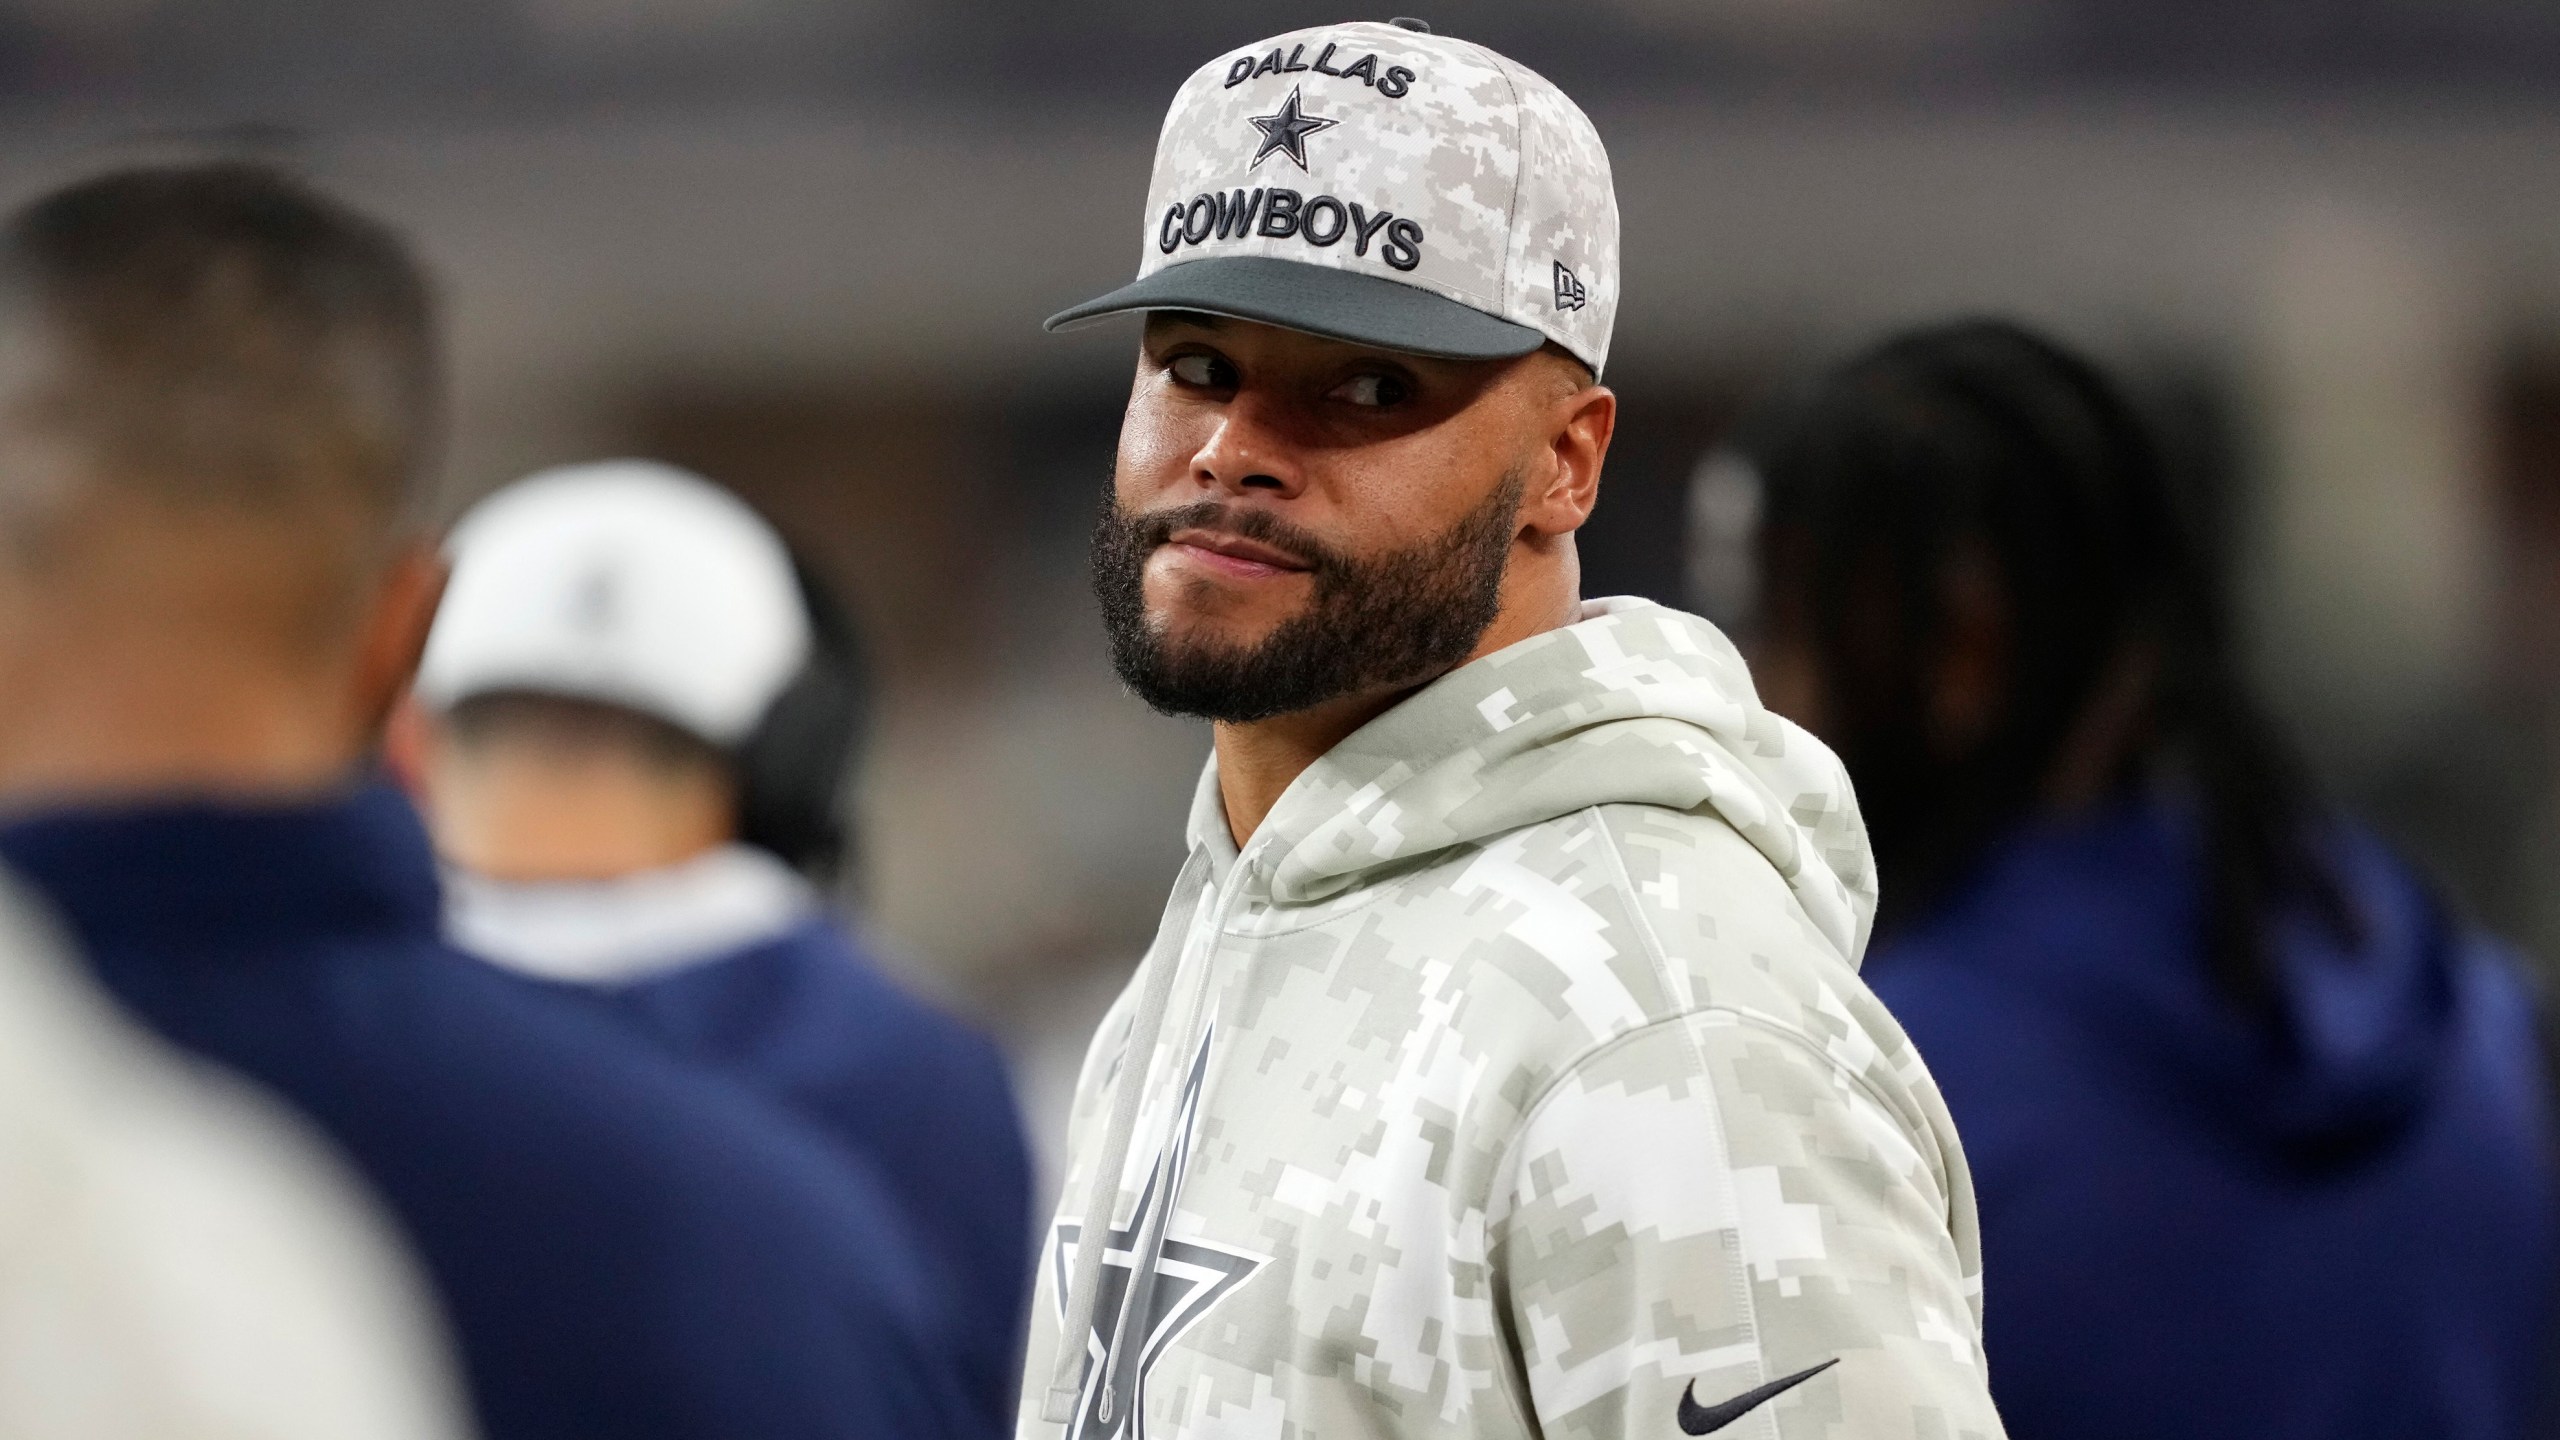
(1517, 1080)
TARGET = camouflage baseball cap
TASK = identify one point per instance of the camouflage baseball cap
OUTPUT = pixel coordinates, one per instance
(1384, 185)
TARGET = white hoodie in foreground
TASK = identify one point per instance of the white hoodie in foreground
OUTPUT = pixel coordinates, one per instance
(181, 1258)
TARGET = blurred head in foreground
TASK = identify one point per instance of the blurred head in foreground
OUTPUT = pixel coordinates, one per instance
(1980, 591)
(629, 671)
(218, 398)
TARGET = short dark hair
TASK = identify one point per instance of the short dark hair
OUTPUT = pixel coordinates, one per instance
(222, 332)
(565, 722)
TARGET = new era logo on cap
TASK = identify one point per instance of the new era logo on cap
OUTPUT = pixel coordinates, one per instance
(1384, 185)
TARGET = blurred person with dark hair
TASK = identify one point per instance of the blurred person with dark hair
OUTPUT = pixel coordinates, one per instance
(184, 1261)
(633, 722)
(218, 393)
(2261, 1134)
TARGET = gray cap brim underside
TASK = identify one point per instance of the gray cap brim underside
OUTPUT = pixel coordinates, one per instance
(1318, 300)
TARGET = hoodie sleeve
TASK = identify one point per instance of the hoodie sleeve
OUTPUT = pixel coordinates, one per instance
(1713, 1227)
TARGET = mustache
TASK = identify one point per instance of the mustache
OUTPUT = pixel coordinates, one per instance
(1147, 531)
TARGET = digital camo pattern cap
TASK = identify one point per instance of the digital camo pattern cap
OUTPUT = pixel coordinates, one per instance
(1383, 185)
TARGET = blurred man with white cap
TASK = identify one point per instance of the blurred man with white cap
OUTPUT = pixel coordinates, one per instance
(635, 715)
(1501, 1067)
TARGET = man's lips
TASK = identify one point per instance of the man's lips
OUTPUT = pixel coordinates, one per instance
(1233, 554)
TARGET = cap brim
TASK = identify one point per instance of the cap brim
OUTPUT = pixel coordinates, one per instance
(1318, 300)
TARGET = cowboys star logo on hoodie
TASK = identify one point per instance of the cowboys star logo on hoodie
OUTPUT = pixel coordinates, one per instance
(1184, 1280)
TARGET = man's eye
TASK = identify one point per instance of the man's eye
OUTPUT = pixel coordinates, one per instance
(1205, 371)
(1371, 390)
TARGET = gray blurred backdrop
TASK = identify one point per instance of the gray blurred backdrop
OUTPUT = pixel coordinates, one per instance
(805, 246)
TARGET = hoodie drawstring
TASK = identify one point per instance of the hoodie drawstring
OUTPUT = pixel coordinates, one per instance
(1066, 1380)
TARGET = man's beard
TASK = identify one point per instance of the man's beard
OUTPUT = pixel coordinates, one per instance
(1369, 625)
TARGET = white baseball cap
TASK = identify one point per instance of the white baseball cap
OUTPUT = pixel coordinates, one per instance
(1380, 184)
(625, 581)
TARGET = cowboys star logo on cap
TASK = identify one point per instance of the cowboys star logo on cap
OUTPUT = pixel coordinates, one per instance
(1286, 132)
(1458, 205)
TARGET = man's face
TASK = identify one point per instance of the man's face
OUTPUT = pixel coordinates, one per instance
(1296, 520)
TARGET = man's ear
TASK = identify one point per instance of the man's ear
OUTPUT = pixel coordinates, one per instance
(395, 633)
(411, 740)
(1580, 425)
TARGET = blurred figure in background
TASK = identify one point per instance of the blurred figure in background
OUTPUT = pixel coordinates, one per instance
(635, 716)
(183, 1261)
(2260, 1133)
(218, 394)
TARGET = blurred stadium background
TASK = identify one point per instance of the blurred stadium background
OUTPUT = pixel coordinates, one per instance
(805, 246)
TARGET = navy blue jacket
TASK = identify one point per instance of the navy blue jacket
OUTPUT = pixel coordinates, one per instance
(622, 1248)
(2337, 1226)
(803, 1017)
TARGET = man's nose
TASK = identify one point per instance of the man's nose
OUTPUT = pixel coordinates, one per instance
(1248, 452)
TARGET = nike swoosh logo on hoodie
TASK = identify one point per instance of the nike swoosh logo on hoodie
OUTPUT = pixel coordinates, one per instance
(1697, 1419)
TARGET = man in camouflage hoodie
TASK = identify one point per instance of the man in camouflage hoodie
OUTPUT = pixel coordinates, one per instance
(1501, 1067)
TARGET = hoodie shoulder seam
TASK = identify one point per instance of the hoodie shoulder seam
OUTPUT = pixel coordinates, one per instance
(1676, 989)
(1500, 1203)
(1767, 1024)
(1685, 1003)
(1688, 1006)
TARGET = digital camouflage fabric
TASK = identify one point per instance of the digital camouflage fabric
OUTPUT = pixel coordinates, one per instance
(1517, 1080)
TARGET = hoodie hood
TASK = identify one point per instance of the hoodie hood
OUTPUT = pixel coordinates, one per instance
(2367, 1024)
(1634, 704)
(2102, 918)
